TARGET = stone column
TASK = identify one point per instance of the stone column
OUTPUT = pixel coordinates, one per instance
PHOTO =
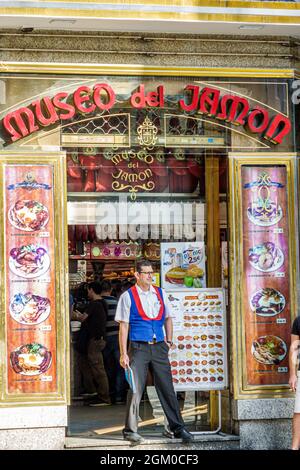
(263, 423)
(33, 427)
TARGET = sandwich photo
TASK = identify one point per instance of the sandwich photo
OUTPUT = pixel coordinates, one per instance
(175, 275)
(189, 277)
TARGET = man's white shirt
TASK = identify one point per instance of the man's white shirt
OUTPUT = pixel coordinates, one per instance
(150, 303)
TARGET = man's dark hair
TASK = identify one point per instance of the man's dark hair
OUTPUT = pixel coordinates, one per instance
(81, 291)
(96, 286)
(143, 263)
(106, 286)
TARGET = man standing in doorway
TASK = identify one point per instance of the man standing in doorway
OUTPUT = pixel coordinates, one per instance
(111, 352)
(144, 315)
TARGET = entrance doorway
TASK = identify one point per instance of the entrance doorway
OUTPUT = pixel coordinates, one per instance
(109, 231)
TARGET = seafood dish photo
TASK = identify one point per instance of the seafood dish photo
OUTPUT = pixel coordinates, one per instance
(266, 257)
(267, 302)
(30, 359)
(29, 309)
(264, 212)
(29, 261)
(269, 349)
(28, 215)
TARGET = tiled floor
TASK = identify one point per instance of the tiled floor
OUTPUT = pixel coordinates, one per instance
(108, 421)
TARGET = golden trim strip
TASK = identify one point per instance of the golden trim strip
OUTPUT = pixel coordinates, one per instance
(114, 4)
(130, 70)
(141, 15)
(187, 3)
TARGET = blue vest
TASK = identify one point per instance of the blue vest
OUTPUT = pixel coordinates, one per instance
(143, 328)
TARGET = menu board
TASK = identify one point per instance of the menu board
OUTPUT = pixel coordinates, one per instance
(30, 278)
(266, 280)
(183, 265)
(199, 355)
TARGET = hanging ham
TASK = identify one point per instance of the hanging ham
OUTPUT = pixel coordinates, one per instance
(104, 173)
(181, 179)
(91, 233)
(160, 176)
(74, 175)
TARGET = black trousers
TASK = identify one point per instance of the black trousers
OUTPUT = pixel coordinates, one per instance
(141, 355)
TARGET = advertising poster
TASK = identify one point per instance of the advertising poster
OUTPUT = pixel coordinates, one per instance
(266, 283)
(183, 265)
(199, 356)
(156, 279)
(30, 278)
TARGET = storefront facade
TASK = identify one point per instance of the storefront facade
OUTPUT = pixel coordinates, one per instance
(120, 160)
(161, 149)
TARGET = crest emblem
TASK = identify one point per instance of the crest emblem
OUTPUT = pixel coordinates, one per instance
(29, 178)
(147, 133)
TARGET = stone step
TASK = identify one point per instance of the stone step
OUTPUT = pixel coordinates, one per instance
(220, 441)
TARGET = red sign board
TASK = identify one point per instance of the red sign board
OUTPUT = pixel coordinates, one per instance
(84, 100)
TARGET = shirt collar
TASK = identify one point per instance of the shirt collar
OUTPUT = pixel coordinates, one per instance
(141, 291)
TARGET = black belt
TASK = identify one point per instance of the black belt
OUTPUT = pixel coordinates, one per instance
(154, 341)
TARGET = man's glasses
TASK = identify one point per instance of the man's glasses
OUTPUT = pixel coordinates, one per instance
(149, 273)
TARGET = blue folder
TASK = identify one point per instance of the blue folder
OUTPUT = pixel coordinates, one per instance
(130, 379)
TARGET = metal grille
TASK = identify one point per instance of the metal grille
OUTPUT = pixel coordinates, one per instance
(102, 125)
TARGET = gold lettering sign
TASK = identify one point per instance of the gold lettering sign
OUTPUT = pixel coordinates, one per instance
(134, 177)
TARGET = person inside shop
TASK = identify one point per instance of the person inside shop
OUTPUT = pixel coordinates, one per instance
(71, 304)
(111, 352)
(90, 345)
(145, 317)
(116, 288)
(78, 302)
(75, 316)
(294, 380)
(80, 298)
(126, 285)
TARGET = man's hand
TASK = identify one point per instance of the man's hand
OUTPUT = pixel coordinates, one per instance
(293, 382)
(124, 361)
(76, 315)
(123, 337)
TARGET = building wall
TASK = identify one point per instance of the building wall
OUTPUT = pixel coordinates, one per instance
(148, 49)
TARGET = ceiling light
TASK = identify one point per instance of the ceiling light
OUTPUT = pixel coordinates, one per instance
(62, 21)
(251, 26)
(27, 29)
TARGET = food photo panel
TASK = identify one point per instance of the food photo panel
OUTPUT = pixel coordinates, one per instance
(30, 279)
(183, 265)
(266, 275)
